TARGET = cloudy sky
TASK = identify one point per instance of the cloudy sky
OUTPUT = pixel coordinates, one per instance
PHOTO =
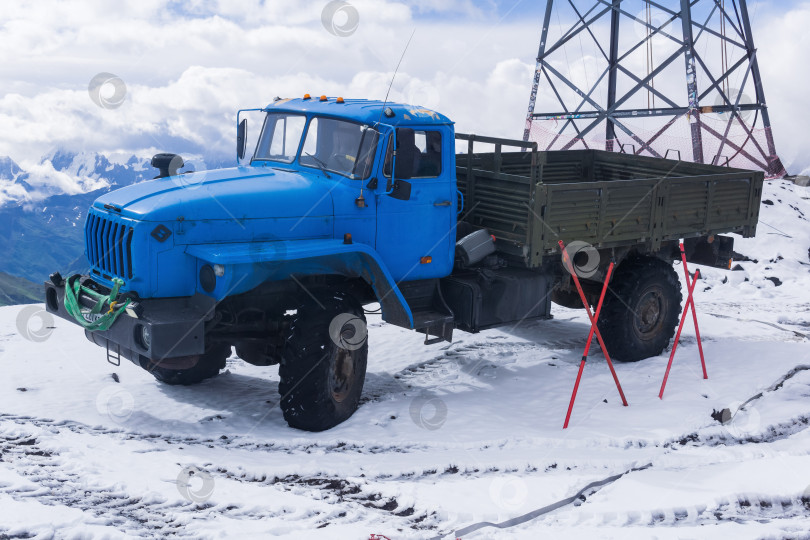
(188, 66)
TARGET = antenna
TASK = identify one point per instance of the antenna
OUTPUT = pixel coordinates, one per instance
(361, 201)
(395, 75)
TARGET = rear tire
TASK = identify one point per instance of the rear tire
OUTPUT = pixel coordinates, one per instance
(207, 366)
(321, 381)
(641, 309)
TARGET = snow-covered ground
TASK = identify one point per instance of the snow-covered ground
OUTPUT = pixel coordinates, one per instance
(447, 436)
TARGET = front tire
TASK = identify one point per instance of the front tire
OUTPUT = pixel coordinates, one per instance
(205, 366)
(641, 309)
(322, 375)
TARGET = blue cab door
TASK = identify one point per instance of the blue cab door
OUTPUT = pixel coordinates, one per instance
(416, 237)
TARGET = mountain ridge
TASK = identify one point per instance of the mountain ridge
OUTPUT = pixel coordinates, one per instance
(17, 290)
(44, 224)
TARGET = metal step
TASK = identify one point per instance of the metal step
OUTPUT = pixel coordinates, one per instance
(427, 319)
(433, 323)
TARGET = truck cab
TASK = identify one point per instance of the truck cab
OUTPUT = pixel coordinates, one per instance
(349, 148)
(342, 203)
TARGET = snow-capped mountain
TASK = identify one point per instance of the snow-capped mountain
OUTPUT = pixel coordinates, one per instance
(64, 172)
(116, 170)
(9, 170)
(45, 205)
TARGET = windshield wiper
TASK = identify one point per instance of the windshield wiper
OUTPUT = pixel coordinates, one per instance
(321, 164)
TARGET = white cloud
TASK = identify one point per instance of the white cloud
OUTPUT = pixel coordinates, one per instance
(9, 191)
(783, 53)
(45, 179)
(189, 69)
(186, 75)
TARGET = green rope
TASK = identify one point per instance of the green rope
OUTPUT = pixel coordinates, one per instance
(101, 320)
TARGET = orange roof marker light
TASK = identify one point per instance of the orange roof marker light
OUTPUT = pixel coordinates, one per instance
(339, 100)
(323, 98)
(307, 96)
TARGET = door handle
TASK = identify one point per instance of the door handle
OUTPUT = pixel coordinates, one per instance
(441, 203)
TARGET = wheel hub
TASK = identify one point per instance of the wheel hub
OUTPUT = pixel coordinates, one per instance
(648, 312)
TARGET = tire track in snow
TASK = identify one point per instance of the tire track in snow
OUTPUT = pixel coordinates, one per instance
(135, 515)
(455, 361)
(348, 493)
(307, 448)
(60, 487)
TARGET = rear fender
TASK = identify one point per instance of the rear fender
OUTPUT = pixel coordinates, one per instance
(248, 264)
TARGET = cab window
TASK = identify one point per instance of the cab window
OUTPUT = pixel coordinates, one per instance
(338, 146)
(427, 154)
(280, 137)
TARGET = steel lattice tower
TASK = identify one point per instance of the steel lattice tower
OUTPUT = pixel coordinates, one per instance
(692, 92)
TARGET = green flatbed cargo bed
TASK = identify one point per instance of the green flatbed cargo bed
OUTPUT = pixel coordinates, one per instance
(529, 200)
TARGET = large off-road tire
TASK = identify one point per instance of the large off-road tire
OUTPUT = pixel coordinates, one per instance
(206, 366)
(322, 375)
(641, 309)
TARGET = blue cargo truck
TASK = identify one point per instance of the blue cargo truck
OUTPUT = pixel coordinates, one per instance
(346, 203)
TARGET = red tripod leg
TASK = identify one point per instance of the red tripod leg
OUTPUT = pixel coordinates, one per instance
(694, 315)
(593, 320)
(587, 346)
(689, 303)
(574, 393)
(610, 365)
(594, 330)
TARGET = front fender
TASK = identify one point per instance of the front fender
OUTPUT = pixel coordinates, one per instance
(248, 264)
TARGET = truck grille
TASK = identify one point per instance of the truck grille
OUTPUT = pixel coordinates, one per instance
(108, 242)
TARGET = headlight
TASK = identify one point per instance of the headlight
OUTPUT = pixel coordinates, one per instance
(208, 278)
(143, 336)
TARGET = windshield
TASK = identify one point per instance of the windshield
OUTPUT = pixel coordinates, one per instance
(338, 146)
(280, 137)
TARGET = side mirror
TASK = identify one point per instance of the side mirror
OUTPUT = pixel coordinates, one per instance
(241, 139)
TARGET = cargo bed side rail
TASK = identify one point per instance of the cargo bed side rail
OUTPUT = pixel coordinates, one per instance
(504, 199)
(645, 212)
(499, 143)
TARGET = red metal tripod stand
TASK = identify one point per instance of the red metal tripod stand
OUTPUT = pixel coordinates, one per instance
(594, 330)
(690, 303)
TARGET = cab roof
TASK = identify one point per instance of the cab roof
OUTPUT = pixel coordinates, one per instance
(361, 110)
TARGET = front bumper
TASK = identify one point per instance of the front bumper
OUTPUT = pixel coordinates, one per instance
(176, 326)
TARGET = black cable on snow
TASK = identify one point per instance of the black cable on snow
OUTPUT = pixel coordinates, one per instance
(544, 510)
(725, 416)
(777, 385)
(766, 323)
